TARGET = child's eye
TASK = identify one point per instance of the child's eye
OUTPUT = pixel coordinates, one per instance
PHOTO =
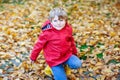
(61, 19)
(55, 20)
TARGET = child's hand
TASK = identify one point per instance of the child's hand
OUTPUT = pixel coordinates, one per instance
(31, 65)
(32, 62)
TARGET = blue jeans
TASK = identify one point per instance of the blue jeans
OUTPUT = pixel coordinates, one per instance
(58, 71)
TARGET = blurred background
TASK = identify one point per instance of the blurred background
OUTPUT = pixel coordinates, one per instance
(96, 29)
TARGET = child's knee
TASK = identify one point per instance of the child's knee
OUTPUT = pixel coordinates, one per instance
(79, 64)
(76, 65)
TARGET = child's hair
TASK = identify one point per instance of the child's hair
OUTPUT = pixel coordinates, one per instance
(60, 12)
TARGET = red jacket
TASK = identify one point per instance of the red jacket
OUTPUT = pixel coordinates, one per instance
(58, 45)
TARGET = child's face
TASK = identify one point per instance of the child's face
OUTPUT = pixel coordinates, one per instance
(58, 23)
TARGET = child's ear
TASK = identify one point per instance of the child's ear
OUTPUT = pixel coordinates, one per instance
(66, 20)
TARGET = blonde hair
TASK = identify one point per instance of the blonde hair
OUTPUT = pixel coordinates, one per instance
(60, 12)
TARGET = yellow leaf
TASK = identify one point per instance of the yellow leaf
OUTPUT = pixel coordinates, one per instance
(25, 65)
(6, 56)
(68, 70)
(8, 31)
(72, 77)
(4, 28)
(1, 78)
(102, 77)
(101, 21)
(79, 13)
(75, 6)
(48, 71)
(3, 46)
(14, 34)
(92, 42)
(107, 71)
(81, 70)
(112, 34)
(92, 25)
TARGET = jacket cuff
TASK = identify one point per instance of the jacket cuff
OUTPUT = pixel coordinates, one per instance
(32, 59)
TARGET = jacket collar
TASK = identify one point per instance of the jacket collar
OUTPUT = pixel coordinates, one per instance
(47, 25)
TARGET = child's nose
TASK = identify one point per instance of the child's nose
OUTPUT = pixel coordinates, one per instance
(58, 22)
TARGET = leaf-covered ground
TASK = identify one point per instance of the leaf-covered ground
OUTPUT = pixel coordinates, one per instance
(96, 27)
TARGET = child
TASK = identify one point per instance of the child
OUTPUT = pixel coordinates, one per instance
(58, 44)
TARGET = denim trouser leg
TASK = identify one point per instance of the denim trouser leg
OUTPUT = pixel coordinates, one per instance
(58, 71)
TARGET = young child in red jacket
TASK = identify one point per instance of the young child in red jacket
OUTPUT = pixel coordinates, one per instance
(58, 44)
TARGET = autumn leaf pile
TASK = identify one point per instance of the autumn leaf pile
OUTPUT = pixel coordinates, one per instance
(96, 29)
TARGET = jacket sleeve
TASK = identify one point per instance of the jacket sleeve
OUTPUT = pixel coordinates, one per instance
(73, 45)
(42, 39)
(74, 49)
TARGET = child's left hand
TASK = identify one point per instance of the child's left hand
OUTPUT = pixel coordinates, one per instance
(32, 62)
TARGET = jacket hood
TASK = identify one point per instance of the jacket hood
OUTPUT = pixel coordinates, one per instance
(46, 22)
